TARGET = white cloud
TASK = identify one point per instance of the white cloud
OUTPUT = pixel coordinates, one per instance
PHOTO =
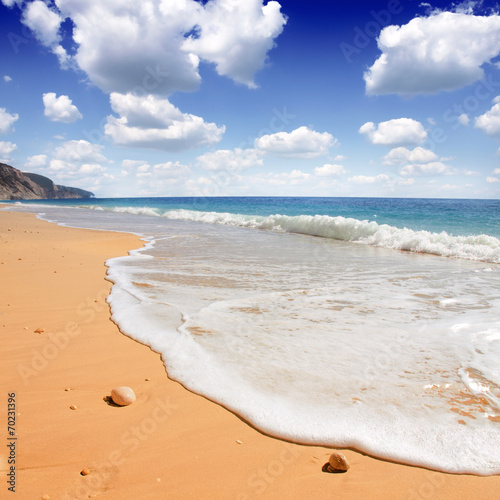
(401, 155)
(80, 152)
(202, 186)
(236, 36)
(60, 109)
(36, 161)
(6, 120)
(300, 143)
(130, 165)
(163, 179)
(155, 46)
(470, 173)
(489, 123)
(296, 176)
(496, 171)
(151, 122)
(444, 51)
(406, 182)
(170, 169)
(329, 170)
(432, 168)
(90, 168)
(77, 159)
(364, 179)
(492, 180)
(6, 148)
(396, 132)
(231, 160)
(464, 119)
(7, 78)
(45, 23)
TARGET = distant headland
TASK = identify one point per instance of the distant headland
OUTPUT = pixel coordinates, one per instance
(17, 185)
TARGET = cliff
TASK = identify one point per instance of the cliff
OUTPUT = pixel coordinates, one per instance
(16, 185)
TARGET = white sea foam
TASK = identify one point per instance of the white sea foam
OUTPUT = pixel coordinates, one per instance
(482, 247)
(334, 351)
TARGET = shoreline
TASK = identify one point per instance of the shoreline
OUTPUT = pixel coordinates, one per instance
(170, 442)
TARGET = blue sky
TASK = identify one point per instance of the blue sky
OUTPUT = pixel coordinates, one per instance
(232, 98)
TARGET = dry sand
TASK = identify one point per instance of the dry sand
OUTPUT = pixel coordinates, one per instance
(170, 443)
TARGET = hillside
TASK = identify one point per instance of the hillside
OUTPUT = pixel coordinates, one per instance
(17, 185)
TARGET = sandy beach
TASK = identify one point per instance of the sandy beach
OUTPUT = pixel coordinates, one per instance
(170, 443)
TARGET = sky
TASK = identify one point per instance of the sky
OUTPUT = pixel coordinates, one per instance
(387, 98)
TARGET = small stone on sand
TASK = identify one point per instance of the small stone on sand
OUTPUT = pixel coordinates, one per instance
(85, 472)
(337, 462)
(147, 379)
(45, 497)
(239, 442)
(67, 389)
(73, 407)
(122, 396)
(40, 330)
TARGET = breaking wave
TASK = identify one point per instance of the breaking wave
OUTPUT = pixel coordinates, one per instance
(477, 247)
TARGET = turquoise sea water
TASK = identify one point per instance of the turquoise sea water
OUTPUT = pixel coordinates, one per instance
(455, 216)
(304, 315)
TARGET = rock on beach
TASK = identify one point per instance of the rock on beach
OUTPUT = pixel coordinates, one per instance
(122, 396)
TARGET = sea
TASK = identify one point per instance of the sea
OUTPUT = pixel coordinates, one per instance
(365, 323)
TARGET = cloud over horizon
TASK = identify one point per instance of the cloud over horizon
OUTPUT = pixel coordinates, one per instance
(300, 143)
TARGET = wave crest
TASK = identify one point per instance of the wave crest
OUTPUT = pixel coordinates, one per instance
(478, 247)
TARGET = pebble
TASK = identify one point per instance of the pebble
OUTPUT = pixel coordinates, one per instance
(45, 497)
(85, 472)
(239, 441)
(40, 330)
(122, 396)
(337, 462)
(67, 388)
(73, 407)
